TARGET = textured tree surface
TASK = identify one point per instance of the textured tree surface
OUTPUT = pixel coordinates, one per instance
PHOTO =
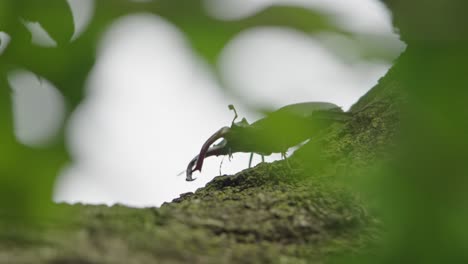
(297, 211)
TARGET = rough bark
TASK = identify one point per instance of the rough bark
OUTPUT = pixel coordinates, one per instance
(291, 211)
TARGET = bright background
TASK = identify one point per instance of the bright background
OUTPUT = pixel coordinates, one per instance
(151, 102)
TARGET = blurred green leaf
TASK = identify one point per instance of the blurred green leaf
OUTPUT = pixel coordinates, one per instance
(209, 36)
(423, 198)
(54, 15)
(27, 175)
(423, 190)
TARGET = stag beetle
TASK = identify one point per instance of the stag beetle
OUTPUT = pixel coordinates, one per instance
(275, 133)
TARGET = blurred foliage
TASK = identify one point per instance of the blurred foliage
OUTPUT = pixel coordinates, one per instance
(27, 175)
(422, 192)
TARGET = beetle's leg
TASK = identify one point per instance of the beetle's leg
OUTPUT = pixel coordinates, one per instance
(230, 154)
(285, 158)
(250, 159)
(221, 166)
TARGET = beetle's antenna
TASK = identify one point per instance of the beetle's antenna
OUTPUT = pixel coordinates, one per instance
(231, 107)
(221, 166)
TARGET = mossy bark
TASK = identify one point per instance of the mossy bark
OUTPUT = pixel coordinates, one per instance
(286, 212)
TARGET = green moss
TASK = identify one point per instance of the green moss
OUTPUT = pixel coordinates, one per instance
(284, 212)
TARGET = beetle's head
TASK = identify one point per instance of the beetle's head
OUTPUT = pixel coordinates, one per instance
(242, 123)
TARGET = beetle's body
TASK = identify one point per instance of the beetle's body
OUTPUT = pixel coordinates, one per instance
(275, 133)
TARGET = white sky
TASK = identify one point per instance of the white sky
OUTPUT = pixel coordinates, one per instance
(356, 15)
(151, 102)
